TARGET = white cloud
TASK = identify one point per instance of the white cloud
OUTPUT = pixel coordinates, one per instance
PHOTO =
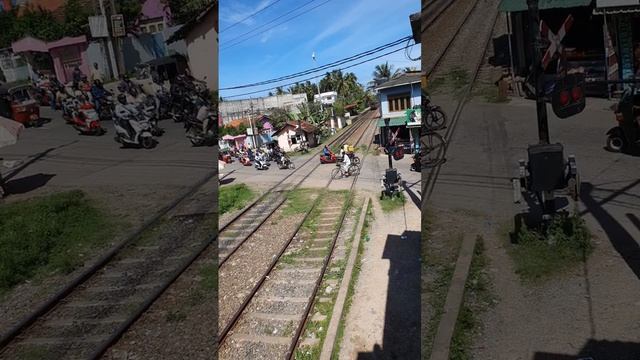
(236, 11)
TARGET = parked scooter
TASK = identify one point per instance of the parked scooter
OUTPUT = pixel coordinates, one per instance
(261, 162)
(626, 136)
(85, 119)
(200, 129)
(147, 109)
(132, 129)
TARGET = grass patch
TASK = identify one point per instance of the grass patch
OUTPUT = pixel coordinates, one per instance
(50, 234)
(491, 95)
(477, 299)
(540, 253)
(234, 197)
(438, 263)
(394, 203)
(298, 201)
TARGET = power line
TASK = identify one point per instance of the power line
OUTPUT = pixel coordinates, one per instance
(317, 76)
(278, 24)
(323, 67)
(407, 52)
(250, 16)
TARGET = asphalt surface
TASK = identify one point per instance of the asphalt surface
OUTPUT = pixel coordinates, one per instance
(57, 155)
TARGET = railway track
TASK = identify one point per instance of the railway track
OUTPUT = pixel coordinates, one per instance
(283, 295)
(474, 16)
(91, 313)
(234, 233)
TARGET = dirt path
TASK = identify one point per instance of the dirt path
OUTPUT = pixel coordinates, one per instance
(384, 318)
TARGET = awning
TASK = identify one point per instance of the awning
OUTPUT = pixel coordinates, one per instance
(613, 10)
(521, 5)
(396, 121)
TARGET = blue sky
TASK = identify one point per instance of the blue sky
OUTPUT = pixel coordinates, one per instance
(335, 30)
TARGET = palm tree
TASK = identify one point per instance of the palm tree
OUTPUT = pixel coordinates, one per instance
(384, 72)
(280, 91)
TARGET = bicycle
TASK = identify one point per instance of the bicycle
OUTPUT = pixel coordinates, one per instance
(434, 118)
(339, 173)
(433, 147)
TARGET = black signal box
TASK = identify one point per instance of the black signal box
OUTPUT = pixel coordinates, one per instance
(568, 96)
(547, 167)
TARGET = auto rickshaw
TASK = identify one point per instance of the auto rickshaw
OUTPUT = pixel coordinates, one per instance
(626, 136)
(17, 103)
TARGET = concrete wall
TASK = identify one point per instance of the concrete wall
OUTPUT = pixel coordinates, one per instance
(237, 109)
(97, 53)
(202, 47)
(384, 94)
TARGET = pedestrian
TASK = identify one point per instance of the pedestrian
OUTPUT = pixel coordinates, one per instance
(76, 75)
(96, 74)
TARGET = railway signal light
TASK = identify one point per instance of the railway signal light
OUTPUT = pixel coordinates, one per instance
(568, 96)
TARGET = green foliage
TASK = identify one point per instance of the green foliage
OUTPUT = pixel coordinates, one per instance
(278, 117)
(539, 253)
(233, 131)
(48, 234)
(185, 10)
(384, 72)
(390, 204)
(314, 113)
(130, 10)
(75, 18)
(39, 23)
(8, 24)
(234, 197)
(304, 88)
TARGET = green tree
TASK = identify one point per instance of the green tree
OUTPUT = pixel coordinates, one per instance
(131, 10)
(280, 91)
(313, 113)
(76, 18)
(384, 72)
(185, 10)
(39, 23)
(8, 24)
(278, 117)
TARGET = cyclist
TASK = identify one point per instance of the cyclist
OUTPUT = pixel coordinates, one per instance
(346, 162)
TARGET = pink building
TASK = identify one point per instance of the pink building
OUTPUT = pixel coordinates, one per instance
(66, 54)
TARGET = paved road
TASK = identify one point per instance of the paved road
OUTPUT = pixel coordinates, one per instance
(58, 154)
(591, 304)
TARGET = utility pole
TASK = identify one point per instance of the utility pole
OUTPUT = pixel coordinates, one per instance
(112, 58)
(313, 55)
(536, 66)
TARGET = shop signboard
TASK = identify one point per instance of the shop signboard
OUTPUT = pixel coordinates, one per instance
(625, 35)
(616, 3)
(117, 25)
(98, 26)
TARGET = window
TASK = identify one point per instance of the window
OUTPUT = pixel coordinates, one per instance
(152, 29)
(160, 27)
(143, 29)
(399, 102)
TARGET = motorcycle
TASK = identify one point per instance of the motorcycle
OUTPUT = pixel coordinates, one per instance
(626, 136)
(244, 160)
(132, 129)
(200, 130)
(147, 109)
(284, 162)
(85, 119)
(261, 164)
(324, 159)
(416, 165)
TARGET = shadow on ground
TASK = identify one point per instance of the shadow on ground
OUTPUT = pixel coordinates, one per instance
(401, 338)
(620, 238)
(27, 184)
(598, 350)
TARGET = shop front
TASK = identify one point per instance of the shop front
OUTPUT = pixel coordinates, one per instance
(583, 44)
(622, 34)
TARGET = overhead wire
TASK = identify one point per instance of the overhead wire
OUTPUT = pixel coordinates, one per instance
(317, 76)
(225, 47)
(250, 16)
(323, 67)
(407, 52)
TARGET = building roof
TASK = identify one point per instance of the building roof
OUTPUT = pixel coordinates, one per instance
(407, 78)
(306, 127)
(188, 26)
(521, 5)
(396, 121)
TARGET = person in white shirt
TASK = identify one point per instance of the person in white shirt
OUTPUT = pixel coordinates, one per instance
(346, 162)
